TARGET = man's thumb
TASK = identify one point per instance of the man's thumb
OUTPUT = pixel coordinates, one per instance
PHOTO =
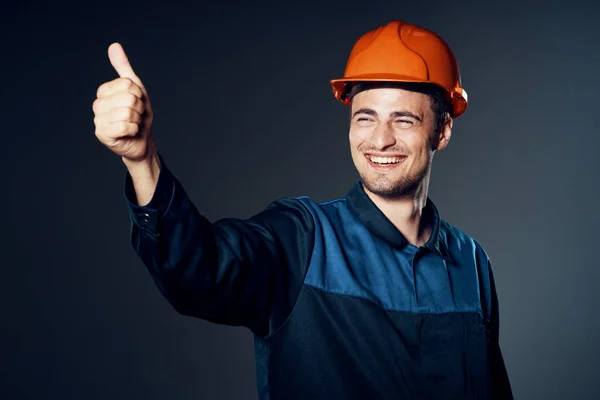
(120, 62)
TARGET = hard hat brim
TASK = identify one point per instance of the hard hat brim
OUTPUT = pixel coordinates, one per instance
(458, 97)
(339, 84)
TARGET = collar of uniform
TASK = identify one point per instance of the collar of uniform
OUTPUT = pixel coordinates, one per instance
(376, 221)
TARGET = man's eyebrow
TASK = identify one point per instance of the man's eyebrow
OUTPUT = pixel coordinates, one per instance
(367, 111)
(394, 114)
(397, 114)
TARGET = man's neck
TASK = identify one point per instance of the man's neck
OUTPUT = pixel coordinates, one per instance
(406, 214)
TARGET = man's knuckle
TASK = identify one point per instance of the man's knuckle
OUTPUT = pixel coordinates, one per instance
(120, 126)
(129, 114)
(131, 100)
(130, 86)
(100, 133)
(100, 91)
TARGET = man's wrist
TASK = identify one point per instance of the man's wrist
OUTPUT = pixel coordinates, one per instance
(145, 168)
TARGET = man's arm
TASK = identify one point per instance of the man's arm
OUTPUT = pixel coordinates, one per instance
(244, 272)
(501, 389)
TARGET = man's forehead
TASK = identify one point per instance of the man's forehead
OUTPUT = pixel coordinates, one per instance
(391, 99)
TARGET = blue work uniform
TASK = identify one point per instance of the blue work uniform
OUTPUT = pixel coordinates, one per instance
(340, 304)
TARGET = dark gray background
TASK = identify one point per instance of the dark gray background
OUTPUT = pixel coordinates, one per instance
(245, 115)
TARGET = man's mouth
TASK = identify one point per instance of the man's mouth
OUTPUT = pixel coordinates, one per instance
(384, 163)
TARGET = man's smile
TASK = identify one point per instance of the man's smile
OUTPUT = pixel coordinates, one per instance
(384, 163)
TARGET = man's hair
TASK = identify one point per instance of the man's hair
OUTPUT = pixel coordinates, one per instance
(439, 102)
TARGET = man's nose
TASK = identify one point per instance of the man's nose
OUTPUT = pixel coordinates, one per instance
(383, 137)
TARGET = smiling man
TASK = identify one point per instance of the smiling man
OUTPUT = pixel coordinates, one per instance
(394, 131)
(368, 296)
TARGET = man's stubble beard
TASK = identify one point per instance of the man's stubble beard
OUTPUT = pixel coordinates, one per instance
(401, 187)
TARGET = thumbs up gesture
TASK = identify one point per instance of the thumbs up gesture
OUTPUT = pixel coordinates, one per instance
(122, 111)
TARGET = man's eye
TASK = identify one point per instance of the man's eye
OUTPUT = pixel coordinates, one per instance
(404, 121)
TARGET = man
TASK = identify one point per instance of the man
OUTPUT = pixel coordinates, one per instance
(370, 296)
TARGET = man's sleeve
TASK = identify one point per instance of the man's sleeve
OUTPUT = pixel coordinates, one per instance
(501, 389)
(244, 272)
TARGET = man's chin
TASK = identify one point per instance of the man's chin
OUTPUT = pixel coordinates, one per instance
(389, 190)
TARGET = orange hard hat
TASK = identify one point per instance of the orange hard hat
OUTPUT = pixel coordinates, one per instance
(401, 52)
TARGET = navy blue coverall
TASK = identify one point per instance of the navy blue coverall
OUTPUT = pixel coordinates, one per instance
(341, 306)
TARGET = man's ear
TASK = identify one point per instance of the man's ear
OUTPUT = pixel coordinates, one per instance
(443, 136)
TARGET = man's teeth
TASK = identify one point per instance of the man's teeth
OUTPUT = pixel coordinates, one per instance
(385, 160)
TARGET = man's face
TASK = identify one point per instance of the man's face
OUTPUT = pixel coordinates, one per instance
(392, 140)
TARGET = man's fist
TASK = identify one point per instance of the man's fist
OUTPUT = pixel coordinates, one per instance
(122, 111)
